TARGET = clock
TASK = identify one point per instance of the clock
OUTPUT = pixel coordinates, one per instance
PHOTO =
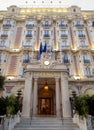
(46, 62)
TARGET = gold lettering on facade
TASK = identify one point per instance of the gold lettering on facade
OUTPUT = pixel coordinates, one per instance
(46, 74)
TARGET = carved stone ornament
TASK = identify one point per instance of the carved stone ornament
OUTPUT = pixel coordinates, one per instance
(47, 61)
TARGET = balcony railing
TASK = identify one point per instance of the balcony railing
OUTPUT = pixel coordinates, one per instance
(46, 36)
(81, 35)
(66, 61)
(63, 25)
(26, 61)
(30, 25)
(47, 25)
(6, 25)
(79, 25)
(86, 61)
(27, 45)
(4, 35)
(28, 35)
(64, 35)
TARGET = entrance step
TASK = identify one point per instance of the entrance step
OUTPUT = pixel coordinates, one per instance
(46, 123)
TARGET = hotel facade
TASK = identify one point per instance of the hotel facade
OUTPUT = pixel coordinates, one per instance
(48, 55)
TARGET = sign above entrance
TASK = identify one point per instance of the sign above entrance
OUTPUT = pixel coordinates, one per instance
(46, 74)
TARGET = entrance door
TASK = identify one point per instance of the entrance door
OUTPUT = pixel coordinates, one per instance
(45, 106)
(46, 101)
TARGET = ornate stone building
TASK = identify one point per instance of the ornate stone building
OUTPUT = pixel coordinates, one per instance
(47, 54)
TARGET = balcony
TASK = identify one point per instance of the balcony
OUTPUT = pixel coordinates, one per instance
(64, 35)
(79, 25)
(6, 26)
(46, 25)
(27, 47)
(46, 36)
(84, 47)
(29, 26)
(4, 36)
(63, 25)
(66, 47)
(87, 61)
(28, 35)
(26, 61)
(81, 35)
(66, 61)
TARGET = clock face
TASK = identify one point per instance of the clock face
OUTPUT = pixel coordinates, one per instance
(46, 62)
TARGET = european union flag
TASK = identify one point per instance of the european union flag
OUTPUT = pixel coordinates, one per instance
(40, 49)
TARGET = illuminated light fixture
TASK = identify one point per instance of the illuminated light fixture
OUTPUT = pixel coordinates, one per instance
(46, 62)
(64, 10)
(28, 11)
(15, 49)
(77, 77)
(74, 49)
(22, 11)
(56, 49)
(46, 86)
(10, 77)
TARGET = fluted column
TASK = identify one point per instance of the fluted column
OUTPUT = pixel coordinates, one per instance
(66, 109)
(26, 110)
(57, 98)
(35, 98)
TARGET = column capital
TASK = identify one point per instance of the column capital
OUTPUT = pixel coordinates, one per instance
(64, 75)
(28, 75)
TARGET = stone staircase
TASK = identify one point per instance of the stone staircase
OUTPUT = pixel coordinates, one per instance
(46, 123)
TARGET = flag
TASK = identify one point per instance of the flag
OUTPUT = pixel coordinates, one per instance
(45, 47)
(40, 51)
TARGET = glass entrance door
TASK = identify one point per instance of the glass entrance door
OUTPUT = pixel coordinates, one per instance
(45, 106)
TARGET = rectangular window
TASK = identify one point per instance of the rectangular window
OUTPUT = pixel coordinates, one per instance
(66, 58)
(63, 32)
(29, 32)
(46, 33)
(87, 71)
(80, 32)
(27, 43)
(64, 43)
(78, 23)
(26, 58)
(86, 58)
(7, 22)
(2, 43)
(83, 43)
(62, 23)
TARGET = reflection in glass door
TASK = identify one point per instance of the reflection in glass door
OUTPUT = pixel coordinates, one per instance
(45, 106)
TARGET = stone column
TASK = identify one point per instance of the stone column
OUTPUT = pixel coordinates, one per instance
(26, 110)
(35, 97)
(66, 108)
(57, 98)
